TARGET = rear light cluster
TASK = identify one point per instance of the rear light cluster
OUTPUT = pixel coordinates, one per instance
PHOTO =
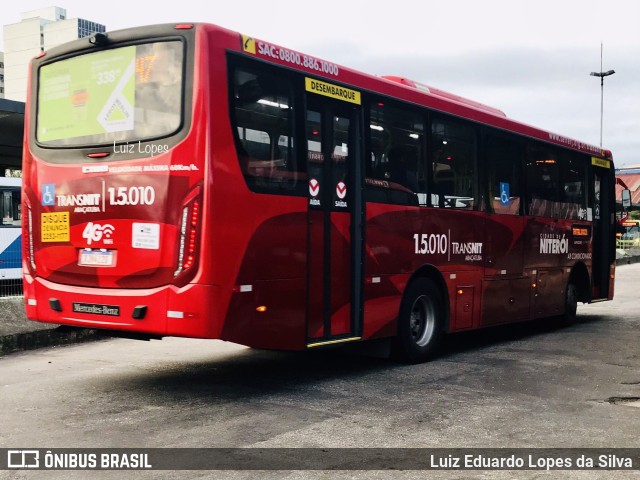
(188, 237)
(29, 247)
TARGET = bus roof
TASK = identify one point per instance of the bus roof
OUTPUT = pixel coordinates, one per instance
(444, 94)
(393, 86)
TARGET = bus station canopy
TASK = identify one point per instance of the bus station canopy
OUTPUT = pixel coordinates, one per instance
(11, 129)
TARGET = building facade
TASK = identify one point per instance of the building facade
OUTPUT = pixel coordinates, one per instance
(37, 31)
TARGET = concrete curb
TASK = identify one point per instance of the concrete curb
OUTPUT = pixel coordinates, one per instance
(19, 334)
(46, 338)
(627, 260)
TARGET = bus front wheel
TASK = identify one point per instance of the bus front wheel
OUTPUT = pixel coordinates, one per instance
(420, 322)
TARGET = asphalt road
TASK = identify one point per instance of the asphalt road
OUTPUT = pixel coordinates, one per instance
(529, 385)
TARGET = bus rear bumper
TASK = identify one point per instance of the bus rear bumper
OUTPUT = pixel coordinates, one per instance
(162, 311)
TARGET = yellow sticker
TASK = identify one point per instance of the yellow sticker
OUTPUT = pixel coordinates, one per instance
(55, 227)
(600, 162)
(248, 44)
(333, 91)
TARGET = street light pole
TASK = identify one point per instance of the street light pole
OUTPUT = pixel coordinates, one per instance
(602, 74)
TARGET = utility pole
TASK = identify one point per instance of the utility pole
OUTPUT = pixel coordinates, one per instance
(602, 74)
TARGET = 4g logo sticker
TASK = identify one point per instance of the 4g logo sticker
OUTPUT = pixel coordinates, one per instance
(94, 232)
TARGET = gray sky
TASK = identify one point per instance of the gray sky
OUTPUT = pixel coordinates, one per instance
(530, 59)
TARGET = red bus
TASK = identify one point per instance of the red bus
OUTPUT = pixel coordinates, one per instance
(186, 180)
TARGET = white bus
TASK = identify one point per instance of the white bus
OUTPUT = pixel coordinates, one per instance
(10, 231)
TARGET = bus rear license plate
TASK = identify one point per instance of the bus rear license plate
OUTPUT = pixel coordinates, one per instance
(95, 258)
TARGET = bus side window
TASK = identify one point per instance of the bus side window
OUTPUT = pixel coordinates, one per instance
(263, 114)
(543, 182)
(573, 177)
(504, 174)
(10, 207)
(453, 163)
(396, 171)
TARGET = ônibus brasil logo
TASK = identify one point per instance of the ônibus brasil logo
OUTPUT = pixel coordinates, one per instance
(94, 232)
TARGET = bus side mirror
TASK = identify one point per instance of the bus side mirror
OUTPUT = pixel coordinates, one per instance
(626, 198)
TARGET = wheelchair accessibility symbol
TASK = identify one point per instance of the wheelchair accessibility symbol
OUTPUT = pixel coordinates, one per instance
(48, 194)
(505, 197)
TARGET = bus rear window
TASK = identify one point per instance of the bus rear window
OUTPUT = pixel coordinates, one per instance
(118, 95)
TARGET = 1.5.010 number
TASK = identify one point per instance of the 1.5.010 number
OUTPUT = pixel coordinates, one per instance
(132, 196)
(430, 244)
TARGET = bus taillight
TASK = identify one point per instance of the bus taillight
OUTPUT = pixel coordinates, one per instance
(191, 251)
(188, 237)
(29, 250)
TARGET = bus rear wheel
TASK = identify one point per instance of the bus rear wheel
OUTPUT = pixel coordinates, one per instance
(420, 322)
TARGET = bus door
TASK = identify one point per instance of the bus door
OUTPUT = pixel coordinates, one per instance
(603, 236)
(335, 215)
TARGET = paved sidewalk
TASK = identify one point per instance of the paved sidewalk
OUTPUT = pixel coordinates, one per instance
(17, 333)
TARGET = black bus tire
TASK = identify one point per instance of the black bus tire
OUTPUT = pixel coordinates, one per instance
(420, 323)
